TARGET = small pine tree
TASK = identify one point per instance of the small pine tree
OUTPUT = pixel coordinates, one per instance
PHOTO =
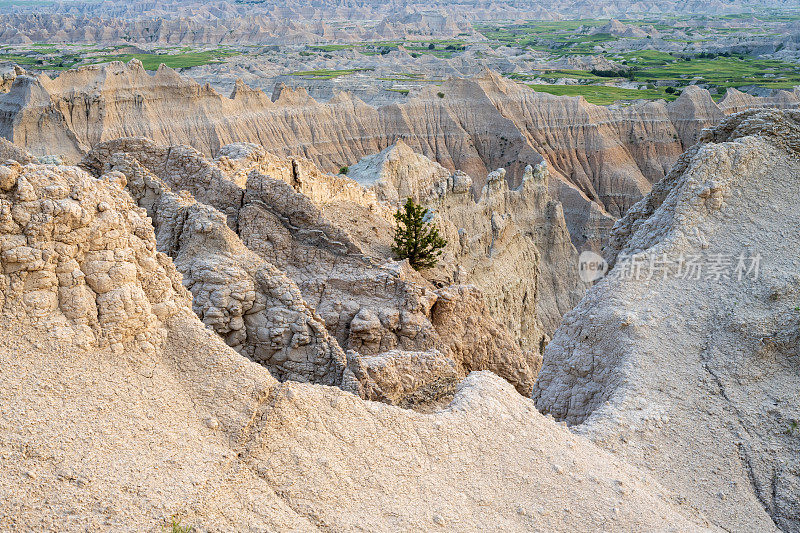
(415, 239)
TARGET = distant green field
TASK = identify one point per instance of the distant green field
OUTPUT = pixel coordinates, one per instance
(332, 47)
(726, 72)
(181, 60)
(38, 61)
(21, 59)
(566, 37)
(646, 58)
(578, 37)
(327, 74)
(441, 47)
(602, 95)
(574, 74)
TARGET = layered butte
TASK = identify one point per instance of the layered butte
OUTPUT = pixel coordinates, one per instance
(604, 158)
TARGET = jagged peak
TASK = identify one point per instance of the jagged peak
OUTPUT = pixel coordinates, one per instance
(168, 73)
(135, 64)
(243, 91)
(343, 97)
(286, 95)
(692, 90)
(735, 97)
(693, 95)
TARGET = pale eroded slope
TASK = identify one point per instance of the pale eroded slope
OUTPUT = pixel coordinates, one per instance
(696, 379)
(119, 410)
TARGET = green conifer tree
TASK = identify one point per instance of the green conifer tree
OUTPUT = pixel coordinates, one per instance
(416, 239)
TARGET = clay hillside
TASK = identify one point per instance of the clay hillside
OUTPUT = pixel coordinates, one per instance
(216, 335)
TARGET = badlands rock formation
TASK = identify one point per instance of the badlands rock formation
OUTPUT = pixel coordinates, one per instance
(684, 360)
(604, 158)
(286, 216)
(8, 74)
(120, 410)
(398, 172)
(223, 23)
(11, 152)
(174, 21)
(254, 306)
(514, 245)
(505, 234)
(81, 261)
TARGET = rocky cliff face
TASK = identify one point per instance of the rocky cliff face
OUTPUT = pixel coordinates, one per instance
(512, 243)
(276, 267)
(397, 173)
(106, 376)
(604, 159)
(11, 152)
(81, 260)
(689, 347)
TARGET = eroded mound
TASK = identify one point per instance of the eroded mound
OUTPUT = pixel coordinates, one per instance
(689, 349)
(96, 438)
(81, 259)
(298, 272)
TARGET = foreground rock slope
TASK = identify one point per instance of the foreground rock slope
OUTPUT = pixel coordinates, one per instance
(176, 425)
(692, 373)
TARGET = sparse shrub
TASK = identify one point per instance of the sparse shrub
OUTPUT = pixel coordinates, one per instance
(440, 95)
(606, 73)
(416, 238)
(431, 46)
(344, 170)
(176, 527)
(670, 90)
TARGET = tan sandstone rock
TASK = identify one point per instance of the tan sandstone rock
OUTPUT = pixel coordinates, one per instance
(692, 373)
(185, 429)
(368, 304)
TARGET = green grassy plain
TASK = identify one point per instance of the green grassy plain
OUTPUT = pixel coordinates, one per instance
(179, 60)
(327, 74)
(603, 95)
(648, 67)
